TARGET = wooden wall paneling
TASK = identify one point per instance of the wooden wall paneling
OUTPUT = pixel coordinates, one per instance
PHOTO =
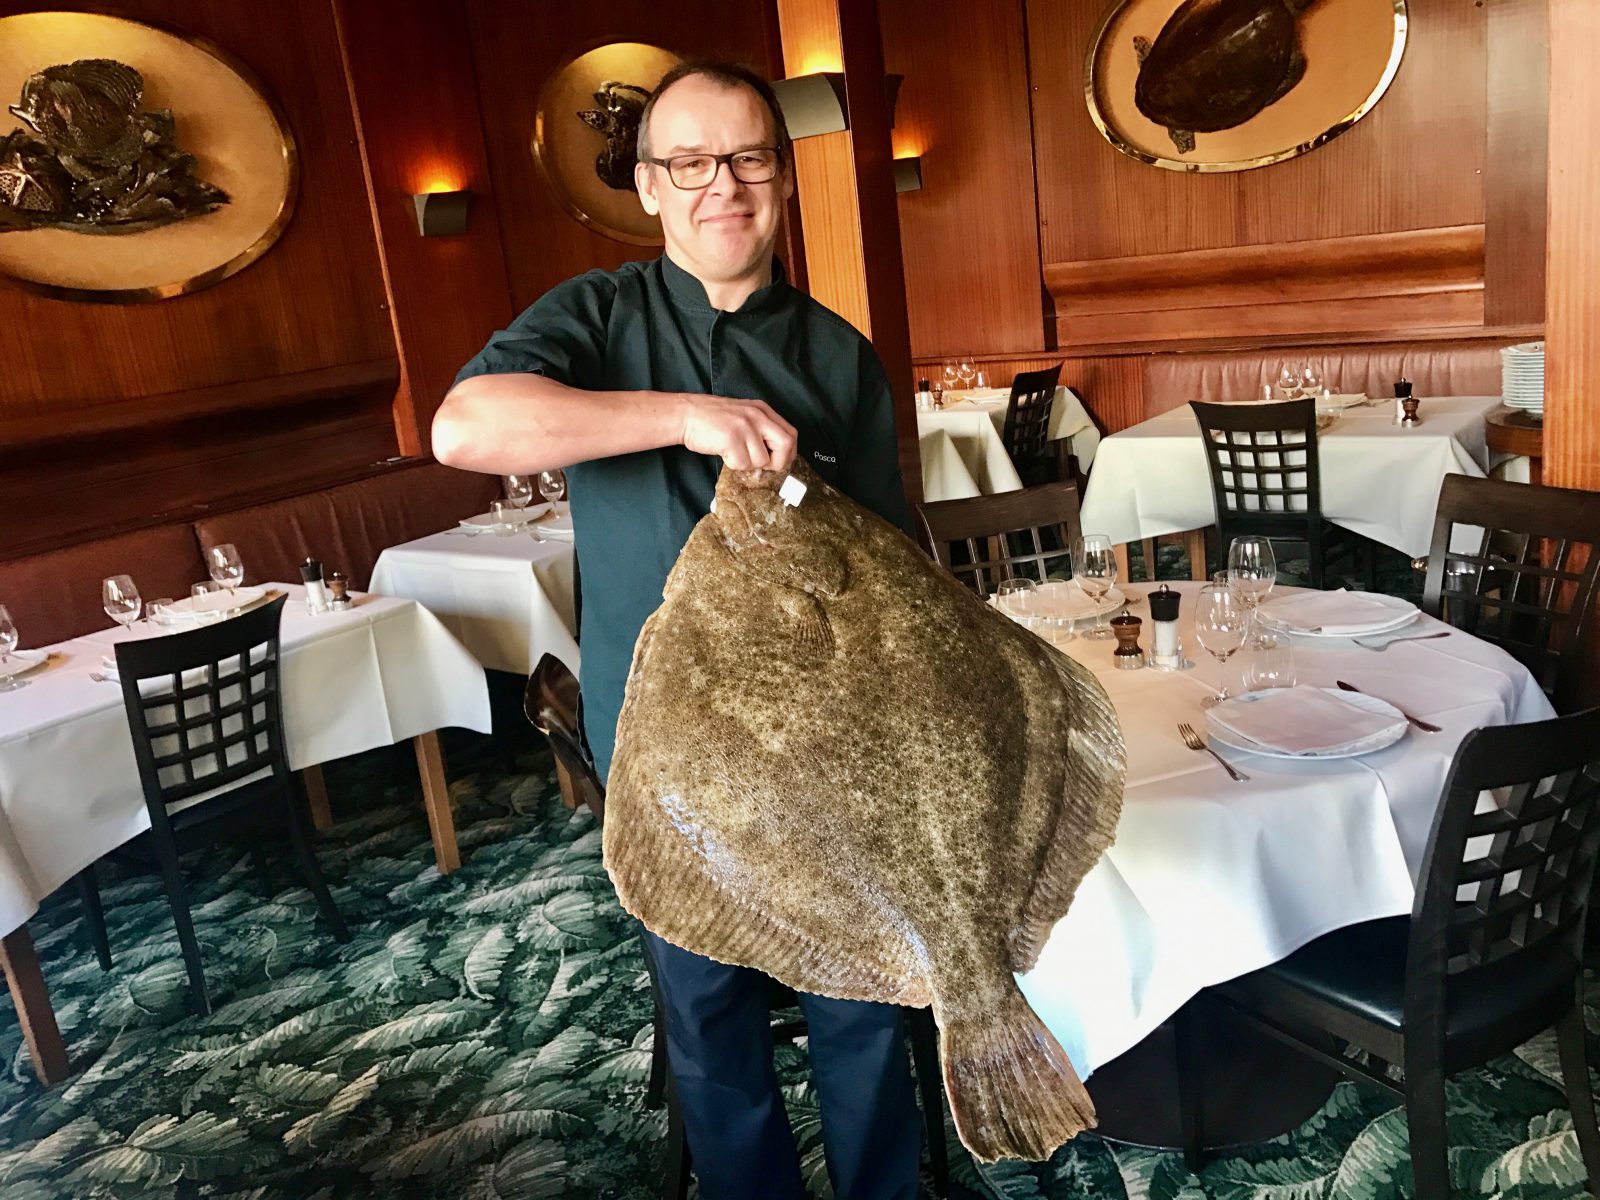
(314, 300)
(1572, 302)
(514, 49)
(1414, 162)
(971, 235)
(1516, 161)
(847, 197)
(415, 100)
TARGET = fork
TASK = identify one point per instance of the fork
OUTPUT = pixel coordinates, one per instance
(1421, 637)
(1194, 741)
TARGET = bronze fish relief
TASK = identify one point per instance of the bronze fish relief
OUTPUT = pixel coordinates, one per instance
(1217, 63)
(836, 765)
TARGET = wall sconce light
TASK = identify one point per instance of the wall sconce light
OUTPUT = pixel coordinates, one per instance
(813, 104)
(908, 174)
(440, 214)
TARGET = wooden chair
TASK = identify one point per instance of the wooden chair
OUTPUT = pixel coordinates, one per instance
(1266, 480)
(567, 747)
(205, 710)
(1490, 956)
(1529, 583)
(986, 539)
(1026, 433)
(551, 706)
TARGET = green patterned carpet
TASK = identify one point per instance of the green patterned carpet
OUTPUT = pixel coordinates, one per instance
(487, 1036)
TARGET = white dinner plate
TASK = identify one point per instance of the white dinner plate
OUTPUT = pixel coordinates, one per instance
(1378, 741)
(518, 517)
(22, 660)
(191, 609)
(1063, 599)
(1405, 613)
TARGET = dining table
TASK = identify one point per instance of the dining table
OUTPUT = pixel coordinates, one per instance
(971, 459)
(1379, 479)
(506, 594)
(1209, 878)
(381, 672)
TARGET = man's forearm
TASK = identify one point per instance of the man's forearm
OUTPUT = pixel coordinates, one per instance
(523, 423)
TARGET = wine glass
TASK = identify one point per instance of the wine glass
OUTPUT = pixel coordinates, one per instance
(966, 369)
(1310, 381)
(8, 643)
(225, 567)
(519, 490)
(1288, 383)
(1252, 570)
(1094, 566)
(1220, 623)
(949, 374)
(120, 599)
(553, 486)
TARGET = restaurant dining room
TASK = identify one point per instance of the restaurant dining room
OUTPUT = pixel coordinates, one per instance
(875, 599)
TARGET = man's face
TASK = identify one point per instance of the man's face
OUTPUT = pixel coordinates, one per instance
(724, 231)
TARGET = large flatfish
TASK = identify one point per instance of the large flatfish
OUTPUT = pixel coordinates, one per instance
(838, 766)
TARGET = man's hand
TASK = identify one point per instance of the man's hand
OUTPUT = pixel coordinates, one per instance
(746, 434)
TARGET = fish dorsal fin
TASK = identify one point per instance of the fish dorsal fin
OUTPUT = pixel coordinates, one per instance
(1087, 821)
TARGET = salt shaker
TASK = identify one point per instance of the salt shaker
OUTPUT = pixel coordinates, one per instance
(1166, 653)
(316, 590)
(924, 396)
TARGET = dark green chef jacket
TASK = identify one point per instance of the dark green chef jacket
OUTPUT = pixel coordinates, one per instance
(649, 327)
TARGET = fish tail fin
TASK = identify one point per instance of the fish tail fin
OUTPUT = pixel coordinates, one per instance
(1012, 1089)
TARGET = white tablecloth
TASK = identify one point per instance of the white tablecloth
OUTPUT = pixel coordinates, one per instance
(1378, 479)
(975, 433)
(508, 599)
(945, 475)
(382, 672)
(1208, 878)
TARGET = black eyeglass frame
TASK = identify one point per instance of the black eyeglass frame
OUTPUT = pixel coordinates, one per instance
(717, 161)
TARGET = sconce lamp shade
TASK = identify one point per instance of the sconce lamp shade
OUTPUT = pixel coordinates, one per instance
(908, 174)
(441, 213)
(813, 104)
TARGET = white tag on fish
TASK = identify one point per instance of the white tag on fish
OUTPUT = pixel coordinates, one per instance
(792, 492)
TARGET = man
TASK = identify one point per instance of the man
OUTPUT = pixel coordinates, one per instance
(644, 381)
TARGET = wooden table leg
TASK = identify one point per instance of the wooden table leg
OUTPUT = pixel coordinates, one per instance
(569, 794)
(436, 799)
(317, 797)
(1194, 543)
(32, 998)
(1120, 550)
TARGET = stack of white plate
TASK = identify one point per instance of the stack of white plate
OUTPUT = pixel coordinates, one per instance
(1522, 377)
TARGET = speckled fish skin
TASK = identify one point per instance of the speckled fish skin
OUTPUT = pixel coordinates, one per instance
(838, 766)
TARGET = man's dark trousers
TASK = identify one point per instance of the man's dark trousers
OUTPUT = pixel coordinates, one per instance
(719, 1045)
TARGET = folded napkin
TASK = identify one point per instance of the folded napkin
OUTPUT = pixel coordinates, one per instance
(558, 526)
(1342, 399)
(1334, 613)
(1300, 720)
(982, 395)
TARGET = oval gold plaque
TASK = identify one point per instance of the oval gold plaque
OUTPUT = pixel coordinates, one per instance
(1289, 76)
(221, 116)
(566, 148)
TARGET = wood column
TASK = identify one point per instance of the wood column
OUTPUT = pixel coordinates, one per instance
(845, 183)
(1572, 264)
(413, 91)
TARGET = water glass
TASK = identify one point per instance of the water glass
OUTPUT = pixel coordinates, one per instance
(1270, 663)
(225, 566)
(120, 598)
(519, 490)
(1014, 598)
(8, 643)
(204, 608)
(553, 486)
(982, 380)
(155, 611)
(1094, 566)
(504, 515)
(1220, 625)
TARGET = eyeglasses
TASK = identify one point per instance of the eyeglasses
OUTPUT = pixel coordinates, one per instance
(690, 172)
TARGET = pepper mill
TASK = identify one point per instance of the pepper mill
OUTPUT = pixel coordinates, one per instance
(1408, 412)
(1166, 652)
(1127, 656)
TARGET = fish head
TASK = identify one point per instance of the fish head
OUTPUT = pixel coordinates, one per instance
(799, 544)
